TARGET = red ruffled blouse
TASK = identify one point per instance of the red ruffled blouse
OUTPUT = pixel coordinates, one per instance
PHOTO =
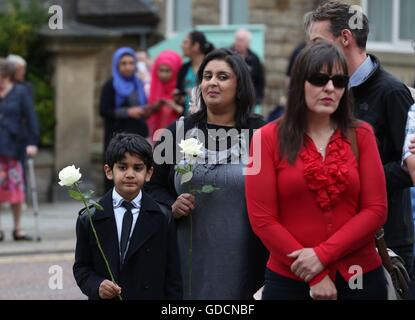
(328, 178)
(332, 205)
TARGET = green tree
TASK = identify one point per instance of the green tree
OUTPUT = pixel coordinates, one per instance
(19, 34)
(20, 27)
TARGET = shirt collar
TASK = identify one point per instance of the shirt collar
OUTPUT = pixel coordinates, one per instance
(362, 73)
(117, 199)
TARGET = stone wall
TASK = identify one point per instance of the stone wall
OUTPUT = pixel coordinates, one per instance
(44, 176)
(161, 27)
(284, 22)
(283, 19)
(206, 12)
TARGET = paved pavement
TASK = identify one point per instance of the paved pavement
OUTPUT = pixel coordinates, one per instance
(40, 269)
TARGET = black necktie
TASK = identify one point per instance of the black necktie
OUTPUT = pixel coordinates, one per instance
(127, 223)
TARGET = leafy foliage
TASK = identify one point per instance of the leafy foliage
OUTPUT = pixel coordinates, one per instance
(44, 108)
(19, 34)
(20, 27)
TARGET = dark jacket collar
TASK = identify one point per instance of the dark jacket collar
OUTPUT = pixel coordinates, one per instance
(373, 75)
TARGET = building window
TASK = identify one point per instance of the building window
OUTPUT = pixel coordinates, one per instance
(233, 12)
(392, 27)
(178, 16)
(407, 22)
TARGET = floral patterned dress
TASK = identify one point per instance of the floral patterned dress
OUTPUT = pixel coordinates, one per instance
(11, 181)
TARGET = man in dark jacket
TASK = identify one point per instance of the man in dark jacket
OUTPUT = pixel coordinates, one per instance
(241, 46)
(381, 100)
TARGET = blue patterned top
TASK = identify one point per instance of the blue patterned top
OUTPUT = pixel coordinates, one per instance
(410, 132)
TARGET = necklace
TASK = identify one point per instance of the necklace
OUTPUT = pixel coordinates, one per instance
(216, 137)
(321, 147)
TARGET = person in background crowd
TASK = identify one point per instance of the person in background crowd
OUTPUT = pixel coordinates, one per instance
(242, 45)
(408, 158)
(123, 104)
(297, 50)
(163, 85)
(408, 163)
(20, 76)
(381, 100)
(318, 153)
(16, 111)
(280, 108)
(144, 69)
(195, 46)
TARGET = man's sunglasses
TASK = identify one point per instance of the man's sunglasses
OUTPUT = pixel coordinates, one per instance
(321, 79)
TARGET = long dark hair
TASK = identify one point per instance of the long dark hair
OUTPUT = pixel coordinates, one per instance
(293, 125)
(245, 92)
(199, 37)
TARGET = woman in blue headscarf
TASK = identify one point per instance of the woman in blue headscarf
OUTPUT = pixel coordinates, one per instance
(123, 102)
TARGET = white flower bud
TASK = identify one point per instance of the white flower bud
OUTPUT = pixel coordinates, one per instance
(191, 147)
(69, 176)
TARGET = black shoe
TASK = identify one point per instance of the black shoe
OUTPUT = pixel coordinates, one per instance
(21, 237)
(1, 235)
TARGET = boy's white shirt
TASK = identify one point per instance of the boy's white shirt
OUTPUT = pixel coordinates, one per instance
(409, 134)
(119, 211)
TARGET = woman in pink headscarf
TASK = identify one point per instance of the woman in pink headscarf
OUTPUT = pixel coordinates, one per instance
(162, 88)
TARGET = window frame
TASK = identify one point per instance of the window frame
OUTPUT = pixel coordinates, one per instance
(396, 45)
(224, 15)
(225, 7)
(170, 18)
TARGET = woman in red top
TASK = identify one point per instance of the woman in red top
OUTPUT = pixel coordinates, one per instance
(314, 207)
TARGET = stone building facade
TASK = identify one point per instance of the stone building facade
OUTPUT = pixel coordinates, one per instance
(81, 57)
(284, 31)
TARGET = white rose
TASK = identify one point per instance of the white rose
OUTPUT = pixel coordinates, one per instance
(191, 147)
(69, 176)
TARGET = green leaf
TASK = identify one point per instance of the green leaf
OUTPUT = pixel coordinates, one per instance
(186, 177)
(181, 170)
(96, 205)
(76, 195)
(209, 189)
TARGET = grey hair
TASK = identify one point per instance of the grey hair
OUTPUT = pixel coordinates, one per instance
(17, 60)
(7, 69)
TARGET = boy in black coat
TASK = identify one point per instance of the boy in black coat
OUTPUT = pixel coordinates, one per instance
(138, 239)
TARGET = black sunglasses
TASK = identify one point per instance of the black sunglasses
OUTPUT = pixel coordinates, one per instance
(321, 79)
